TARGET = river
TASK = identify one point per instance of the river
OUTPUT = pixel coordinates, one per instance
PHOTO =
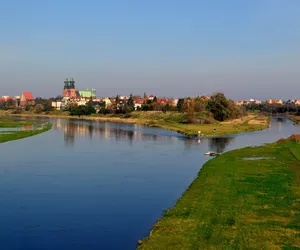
(99, 185)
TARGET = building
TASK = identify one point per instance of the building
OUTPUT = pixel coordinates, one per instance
(138, 102)
(26, 99)
(88, 94)
(5, 98)
(270, 101)
(107, 101)
(57, 105)
(70, 90)
(205, 97)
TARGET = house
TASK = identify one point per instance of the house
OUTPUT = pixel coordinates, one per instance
(151, 97)
(252, 101)
(175, 101)
(5, 98)
(239, 103)
(57, 105)
(205, 97)
(107, 101)
(26, 99)
(270, 101)
(81, 102)
(164, 101)
(291, 101)
(297, 102)
(138, 103)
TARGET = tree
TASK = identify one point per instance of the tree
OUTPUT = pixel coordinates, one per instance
(39, 108)
(27, 107)
(180, 105)
(167, 107)
(199, 105)
(218, 105)
(155, 99)
(190, 110)
(103, 104)
(223, 109)
(47, 106)
(130, 103)
(82, 110)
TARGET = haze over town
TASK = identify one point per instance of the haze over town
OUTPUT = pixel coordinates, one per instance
(165, 48)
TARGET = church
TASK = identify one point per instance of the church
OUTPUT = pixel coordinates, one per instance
(69, 89)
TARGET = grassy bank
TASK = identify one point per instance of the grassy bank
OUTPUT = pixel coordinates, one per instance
(296, 119)
(175, 121)
(9, 122)
(6, 122)
(237, 204)
(249, 123)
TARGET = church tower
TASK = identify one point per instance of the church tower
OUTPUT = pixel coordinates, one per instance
(69, 89)
(66, 83)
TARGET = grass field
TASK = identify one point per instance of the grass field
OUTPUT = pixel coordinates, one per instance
(237, 204)
(8, 122)
(246, 124)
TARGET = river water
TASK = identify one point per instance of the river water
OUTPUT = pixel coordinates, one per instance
(96, 185)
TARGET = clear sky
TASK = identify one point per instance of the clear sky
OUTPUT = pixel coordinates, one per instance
(244, 48)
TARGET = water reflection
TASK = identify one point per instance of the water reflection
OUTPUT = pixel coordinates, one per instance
(73, 129)
(96, 130)
(219, 144)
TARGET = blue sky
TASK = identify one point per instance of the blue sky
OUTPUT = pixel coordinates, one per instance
(246, 49)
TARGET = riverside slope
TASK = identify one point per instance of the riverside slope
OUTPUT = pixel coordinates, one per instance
(244, 199)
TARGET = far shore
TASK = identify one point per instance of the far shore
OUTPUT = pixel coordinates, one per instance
(250, 123)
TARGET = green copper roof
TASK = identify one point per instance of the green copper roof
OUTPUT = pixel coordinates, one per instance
(87, 93)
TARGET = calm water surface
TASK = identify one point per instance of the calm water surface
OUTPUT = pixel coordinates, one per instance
(95, 185)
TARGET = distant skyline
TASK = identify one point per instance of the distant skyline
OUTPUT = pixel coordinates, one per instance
(246, 49)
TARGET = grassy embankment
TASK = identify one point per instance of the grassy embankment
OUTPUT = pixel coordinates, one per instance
(238, 204)
(250, 123)
(15, 135)
(296, 119)
(175, 121)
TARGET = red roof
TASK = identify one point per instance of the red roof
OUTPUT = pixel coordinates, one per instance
(28, 95)
(139, 101)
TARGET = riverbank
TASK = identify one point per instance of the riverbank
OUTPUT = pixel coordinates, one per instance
(295, 119)
(25, 127)
(171, 121)
(244, 199)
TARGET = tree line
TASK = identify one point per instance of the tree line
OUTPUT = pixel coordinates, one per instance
(218, 107)
(274, 108)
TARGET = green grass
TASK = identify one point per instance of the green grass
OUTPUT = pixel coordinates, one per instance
(15, 135)
(206, 129)
(174, 121)
(237, 204)
(10, 122)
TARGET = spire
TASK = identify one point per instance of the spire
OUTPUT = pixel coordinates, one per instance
(72, 83)
(66, 81)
